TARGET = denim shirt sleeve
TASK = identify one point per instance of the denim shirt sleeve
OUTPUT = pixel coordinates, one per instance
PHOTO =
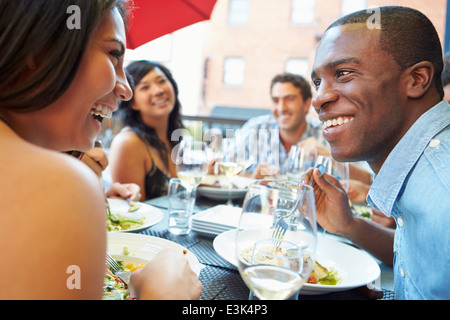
(413, 186)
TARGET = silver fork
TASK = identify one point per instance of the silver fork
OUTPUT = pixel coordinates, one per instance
(116, 269)
(281, 226)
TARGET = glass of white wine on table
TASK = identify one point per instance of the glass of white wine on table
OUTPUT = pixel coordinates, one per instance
(230, 165)
(276, 238)
(192, 163)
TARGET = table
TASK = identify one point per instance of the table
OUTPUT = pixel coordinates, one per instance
(221, 280)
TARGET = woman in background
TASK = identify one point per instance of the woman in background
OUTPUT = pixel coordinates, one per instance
(141, 152)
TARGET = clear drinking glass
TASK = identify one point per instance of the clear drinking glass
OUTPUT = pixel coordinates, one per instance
(276, 238)
(339, 170)
(192, 163)
(230, 163)
(300, 159)
(181, 206)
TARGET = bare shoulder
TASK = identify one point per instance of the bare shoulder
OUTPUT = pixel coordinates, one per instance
(55, 225)
(127, 146)
(126, 138)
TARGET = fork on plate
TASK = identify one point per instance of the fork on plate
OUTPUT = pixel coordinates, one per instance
(117, 270)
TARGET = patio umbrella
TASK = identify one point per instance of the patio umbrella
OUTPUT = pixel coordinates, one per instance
(152, 19)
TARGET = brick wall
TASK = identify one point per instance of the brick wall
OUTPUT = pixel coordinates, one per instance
(269, 40)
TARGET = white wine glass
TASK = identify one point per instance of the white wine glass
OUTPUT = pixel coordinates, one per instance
(276, 238)
(229, 164)
(192, 163)
(300, 160)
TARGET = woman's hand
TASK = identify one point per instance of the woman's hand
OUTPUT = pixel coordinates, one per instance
(96, 159)
(167, 277)
(124, 191)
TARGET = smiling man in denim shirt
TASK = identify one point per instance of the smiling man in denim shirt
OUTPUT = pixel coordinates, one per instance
(385, 79)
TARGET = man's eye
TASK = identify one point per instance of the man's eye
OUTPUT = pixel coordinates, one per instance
(316, 83)
(342, 73)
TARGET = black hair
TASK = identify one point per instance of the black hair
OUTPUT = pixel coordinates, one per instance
(407, 34)
(296, 80)
(132, 118)
(37, 31)
(446, 72)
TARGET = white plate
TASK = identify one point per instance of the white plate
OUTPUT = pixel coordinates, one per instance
(355, 267)
(222, 192)
(150, 214)
(216, 193)
(142, 248)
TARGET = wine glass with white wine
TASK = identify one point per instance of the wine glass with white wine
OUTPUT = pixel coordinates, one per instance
(276, 238)
(192, 163)
(230, 164)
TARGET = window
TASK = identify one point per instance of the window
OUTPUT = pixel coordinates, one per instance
(349, 6)
(303, 11)
(238, 12)
(233, 71)
(297, 66)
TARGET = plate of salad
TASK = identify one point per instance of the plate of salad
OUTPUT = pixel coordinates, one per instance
(124, 216)
(134, 251)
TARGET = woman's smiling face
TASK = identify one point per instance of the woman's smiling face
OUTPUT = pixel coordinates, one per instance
(75, 118)
(359, 95)
(154, 97)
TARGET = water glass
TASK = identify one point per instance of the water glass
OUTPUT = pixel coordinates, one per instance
(181, 205)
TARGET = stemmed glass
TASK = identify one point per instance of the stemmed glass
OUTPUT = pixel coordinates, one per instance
(339, 170)
(233, 162)
(276, 238)
(192, 163)
(300, 159)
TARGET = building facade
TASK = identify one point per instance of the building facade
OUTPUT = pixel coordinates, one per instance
(247, 42)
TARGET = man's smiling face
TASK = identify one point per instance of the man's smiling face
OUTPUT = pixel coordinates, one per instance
(359, 94)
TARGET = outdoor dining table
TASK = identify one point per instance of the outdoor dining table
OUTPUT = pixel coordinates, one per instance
(222, 281)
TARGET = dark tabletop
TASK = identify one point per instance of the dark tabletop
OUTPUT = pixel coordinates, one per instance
(220, 279)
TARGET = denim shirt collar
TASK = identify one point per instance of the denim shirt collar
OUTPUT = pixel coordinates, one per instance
(390, 179)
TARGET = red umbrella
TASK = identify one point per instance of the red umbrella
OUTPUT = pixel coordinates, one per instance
(152, 19)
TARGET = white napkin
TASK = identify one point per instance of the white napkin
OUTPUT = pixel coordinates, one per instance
(217, 219)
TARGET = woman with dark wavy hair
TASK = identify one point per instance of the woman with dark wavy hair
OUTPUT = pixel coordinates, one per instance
(56, 86)
(140, 153)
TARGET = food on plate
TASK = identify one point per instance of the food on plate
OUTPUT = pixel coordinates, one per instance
(222, 182)
(268, 255)
(114, 288)
(322, 275)
(133, 206)
(118, 222)
(319, 274)
(362, 211)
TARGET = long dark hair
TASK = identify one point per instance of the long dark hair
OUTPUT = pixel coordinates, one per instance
(37, 31)
(132, 118)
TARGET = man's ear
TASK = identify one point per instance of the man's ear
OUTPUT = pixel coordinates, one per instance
(420, 77)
